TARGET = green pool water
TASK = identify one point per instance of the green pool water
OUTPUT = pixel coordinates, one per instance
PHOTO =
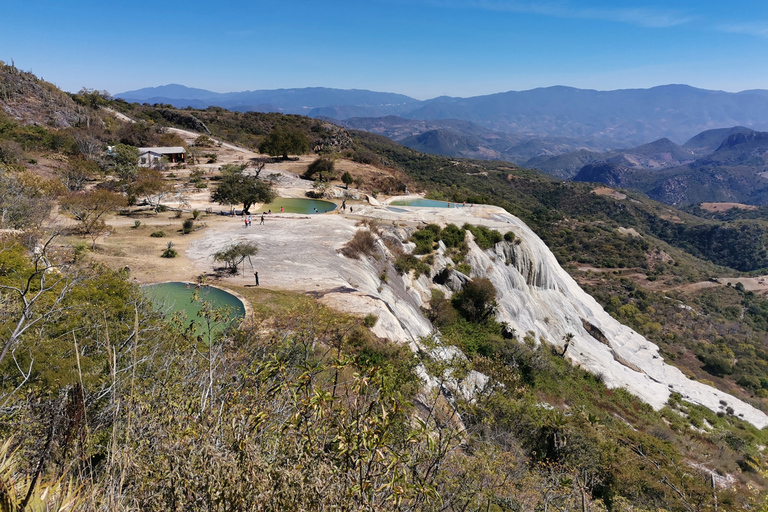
(431, 203)
(173, 297)
(293, 205)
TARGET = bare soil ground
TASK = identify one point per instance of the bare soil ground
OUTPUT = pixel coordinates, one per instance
(722, 207)
(605, 191)
(128, 246)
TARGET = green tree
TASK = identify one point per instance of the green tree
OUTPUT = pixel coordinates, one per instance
(124, 162)
(322, 168)
(237, 187)
(282, 142)
(235, 254)
(347, 179)
(477, 300)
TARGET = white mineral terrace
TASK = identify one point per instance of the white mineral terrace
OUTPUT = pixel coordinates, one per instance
(301, 253)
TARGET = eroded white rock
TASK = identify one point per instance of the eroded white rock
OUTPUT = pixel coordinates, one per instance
(534, 293)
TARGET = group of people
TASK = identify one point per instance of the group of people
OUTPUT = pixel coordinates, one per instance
(247, 219)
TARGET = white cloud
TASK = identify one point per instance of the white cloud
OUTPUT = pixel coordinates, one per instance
(640, 16)
(756, 29)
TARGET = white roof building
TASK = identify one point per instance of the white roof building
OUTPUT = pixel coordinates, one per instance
(148, 157)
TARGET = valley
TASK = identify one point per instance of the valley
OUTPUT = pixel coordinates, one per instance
(542, 329)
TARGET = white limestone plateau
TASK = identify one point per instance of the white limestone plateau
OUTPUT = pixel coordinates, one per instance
(533, 292)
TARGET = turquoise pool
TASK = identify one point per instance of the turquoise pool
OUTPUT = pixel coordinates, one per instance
(176, 297)
(427, 203)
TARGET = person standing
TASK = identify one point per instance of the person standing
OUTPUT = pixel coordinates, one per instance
(262, 218)
(256, 276)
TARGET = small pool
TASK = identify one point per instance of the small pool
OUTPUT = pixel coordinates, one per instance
(298, 205)
(177, 297)
(428, 203)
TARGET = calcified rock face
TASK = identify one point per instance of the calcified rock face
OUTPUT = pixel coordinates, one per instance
(533, 292)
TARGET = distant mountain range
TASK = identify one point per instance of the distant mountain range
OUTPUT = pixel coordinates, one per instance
(686, 145)
(723, 165)
(560, 118)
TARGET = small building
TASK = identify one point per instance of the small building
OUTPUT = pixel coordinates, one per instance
(149, 157)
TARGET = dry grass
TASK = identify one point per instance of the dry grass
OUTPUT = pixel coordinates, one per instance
(137, 250)
(363, 243)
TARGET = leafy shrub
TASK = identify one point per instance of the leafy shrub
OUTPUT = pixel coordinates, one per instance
(363, 243)
(158, 234)
(169, 251)
(203, 141)
(441, 313)
(187, 226)
(485, 238)
(404, 263)
(464, 268)
(78, 251)
(425, 239)
(477, 300)
(322, 167)
(370, 320)
(195, 214)
(509, 236)
(452, 235)
(136, 224)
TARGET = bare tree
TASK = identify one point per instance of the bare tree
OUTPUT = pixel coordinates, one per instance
(257, 165)
(90, 208)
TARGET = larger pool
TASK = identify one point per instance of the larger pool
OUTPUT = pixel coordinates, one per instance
(174, 298)
(298, 205)
(428, 203)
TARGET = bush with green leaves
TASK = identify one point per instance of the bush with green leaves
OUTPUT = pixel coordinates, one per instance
(425, 239)
(477, 300)
(321, 169)
(485, 238)
(370, 320)
(187, 226)
(157, 234)
(404, 263)
(169, 251)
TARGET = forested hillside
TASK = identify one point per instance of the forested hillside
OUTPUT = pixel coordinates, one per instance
(107, 405)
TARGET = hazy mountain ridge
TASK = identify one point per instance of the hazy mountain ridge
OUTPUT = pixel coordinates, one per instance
(465, 139)
(604, 119)
(734, 172)
(315, 101)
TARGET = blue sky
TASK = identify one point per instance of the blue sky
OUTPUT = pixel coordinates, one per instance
(423, 48)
